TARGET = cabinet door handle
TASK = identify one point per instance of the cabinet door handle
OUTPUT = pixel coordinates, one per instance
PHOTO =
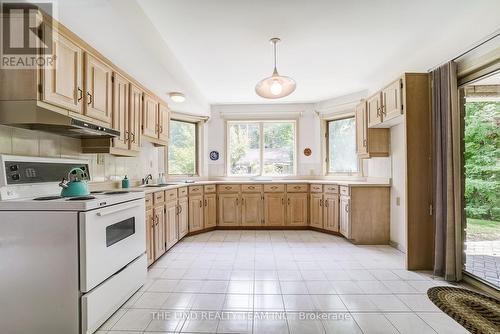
(205, 201)
(274, 187)
(347, 208)
(288, 201)
(282, 201)
(201, 204)
(160, 129)
(320, 202)
(133, 137)
(157, 219)
(251, 187)
(378, 111)
(326, 203)
(80, 94)
(364, 143)
(242, 201)
(227, 187)
(90, 98)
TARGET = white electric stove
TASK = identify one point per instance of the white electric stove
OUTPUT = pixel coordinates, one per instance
(67, 263)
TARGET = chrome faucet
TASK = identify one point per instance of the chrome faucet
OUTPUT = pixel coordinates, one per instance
(147, 178)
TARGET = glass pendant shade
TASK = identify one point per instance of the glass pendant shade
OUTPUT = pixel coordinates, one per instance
(276, 86)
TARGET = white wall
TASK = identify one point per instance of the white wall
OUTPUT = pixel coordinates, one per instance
(308, 129)
(398, 229)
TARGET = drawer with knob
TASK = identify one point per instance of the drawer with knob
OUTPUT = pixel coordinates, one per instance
(316, 188)
(183, 191)
(229, 188)
(344, 190)
(274, 188)
(251, 188)
(195, 190)
(158, 197)
(210, 188)
(148, 200)
(331, 188)
(171, 195)
(296, 188)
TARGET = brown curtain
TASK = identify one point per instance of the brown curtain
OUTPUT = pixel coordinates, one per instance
(446, 173)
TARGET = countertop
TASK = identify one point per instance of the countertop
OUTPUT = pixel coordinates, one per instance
(175, 185)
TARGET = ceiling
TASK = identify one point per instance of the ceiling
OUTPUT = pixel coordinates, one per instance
(216, 51)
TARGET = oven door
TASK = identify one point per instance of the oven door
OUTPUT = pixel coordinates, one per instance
(110, 238)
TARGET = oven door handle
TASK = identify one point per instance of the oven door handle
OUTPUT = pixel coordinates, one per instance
(114, 210)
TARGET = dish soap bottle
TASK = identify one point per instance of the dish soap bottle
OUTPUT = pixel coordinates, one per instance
(125, 182)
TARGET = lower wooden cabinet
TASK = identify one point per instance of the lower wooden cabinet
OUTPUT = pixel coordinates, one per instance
(331, 212)
(251, 209)
(171, 224)
(274, 209)
(345, 216)
(182, 217)
(210, 210)
(159, 231)
(316, 210)
(150, 248)
(196, 213)
(296, 209)
(229, 209)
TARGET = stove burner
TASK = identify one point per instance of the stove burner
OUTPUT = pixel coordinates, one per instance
(80, 198)
(116, 192)
(97, 192)
(46, 198)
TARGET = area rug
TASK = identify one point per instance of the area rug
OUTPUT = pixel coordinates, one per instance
(478, 313)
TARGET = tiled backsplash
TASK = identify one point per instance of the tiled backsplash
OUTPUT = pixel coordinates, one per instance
(103, 167)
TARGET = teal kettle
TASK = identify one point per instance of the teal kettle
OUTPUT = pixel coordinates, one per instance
(75, 185)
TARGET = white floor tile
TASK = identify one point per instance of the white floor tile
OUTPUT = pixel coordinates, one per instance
(134, 320)
(409, 323)
(419, 303)
(442, 323)
(374, 323)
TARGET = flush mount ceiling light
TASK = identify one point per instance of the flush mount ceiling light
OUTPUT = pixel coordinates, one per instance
(275, 86)
(177, 97)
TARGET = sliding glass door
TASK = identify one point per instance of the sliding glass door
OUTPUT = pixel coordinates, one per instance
(481, 161)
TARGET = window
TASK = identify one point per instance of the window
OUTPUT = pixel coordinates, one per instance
(341, 146)
(182, 148)
(261, 148)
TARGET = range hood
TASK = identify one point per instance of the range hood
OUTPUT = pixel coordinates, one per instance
(54, 122)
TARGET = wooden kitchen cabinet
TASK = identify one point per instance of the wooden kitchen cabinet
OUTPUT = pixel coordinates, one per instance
(196, 213)
(163, 123)
(296, 209)
(159, 230)
(182, 215)
(210, 210)
(150, 230)
(229, 209)
(369, 142)
(251, 209)
(171, 223)
(331, 212)
(345, 216)
(150, 117)
(98, 89)
(392, 105)
(63, 84)
(316, 210)
(121, 117)
(135, 113)
(274, 209)
(373, 105)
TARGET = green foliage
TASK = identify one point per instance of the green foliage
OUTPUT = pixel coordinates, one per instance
(182, 148)
(481, 154)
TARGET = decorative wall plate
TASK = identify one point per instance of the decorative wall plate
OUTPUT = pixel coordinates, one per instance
(214, 155)
(307, 151)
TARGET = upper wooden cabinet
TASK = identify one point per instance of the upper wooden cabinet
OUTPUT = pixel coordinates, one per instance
(135, 110)
(369, 142)
(98, 89)
(373, 105)
(163, 123)
(121, 119)
(385, 106)
(63, 85)
(155, 120)
(392, 105)
(150, 117)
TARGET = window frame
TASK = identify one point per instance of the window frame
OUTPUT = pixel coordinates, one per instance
(326, 147)
(260, 122)
(197, 150)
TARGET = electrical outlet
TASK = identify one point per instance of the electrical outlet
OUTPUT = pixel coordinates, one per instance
(398, 201)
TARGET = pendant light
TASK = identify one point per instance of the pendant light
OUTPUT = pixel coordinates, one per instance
(276, 86)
